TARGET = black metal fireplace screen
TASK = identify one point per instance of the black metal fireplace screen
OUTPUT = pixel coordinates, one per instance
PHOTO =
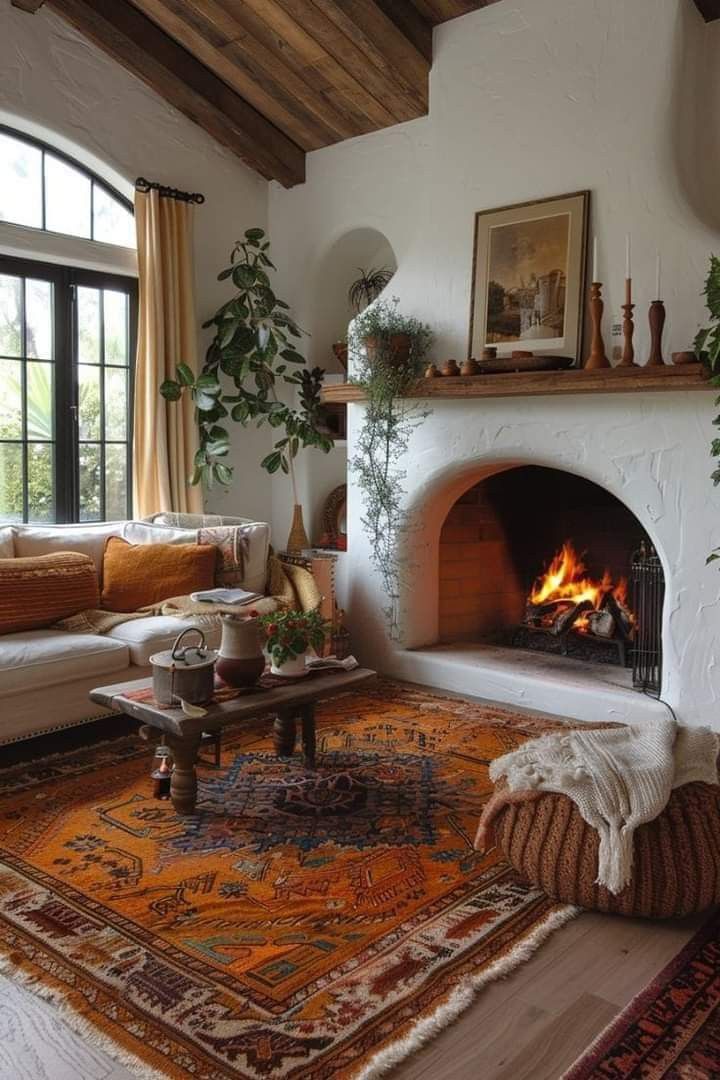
(648, 593)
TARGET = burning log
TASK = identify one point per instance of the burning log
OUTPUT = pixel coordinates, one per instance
(566, 619)
(621, 615)
(601, 624)
(547, 612)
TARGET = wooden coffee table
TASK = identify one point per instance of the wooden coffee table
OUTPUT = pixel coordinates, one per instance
(182, 735)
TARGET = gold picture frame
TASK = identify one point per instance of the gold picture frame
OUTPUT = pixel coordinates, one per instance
(529, 277)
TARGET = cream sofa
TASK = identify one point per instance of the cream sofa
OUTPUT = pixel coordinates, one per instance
(46, 675)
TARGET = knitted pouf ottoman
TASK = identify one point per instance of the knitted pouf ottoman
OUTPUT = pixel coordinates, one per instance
(676, 866)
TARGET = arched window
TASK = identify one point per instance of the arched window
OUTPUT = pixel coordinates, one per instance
(67, 343)
(42, 188)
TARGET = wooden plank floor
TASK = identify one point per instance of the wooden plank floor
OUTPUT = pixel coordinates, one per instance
(530, 1026)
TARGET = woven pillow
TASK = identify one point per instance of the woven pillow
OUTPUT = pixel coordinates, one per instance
(676, 866)
(38, 591)
(138, 575)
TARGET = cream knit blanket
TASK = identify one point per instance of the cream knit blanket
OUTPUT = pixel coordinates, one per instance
(618, 778)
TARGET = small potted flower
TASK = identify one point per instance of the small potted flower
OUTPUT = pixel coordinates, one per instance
(289, 636)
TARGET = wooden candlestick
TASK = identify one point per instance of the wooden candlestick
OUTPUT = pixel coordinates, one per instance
(598, 357)
(657, 324)
(628, 356)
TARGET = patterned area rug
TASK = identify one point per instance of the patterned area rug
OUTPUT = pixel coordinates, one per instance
(299, 925)
(671, 1029)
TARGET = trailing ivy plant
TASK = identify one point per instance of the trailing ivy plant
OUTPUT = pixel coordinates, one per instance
(253, 349)
(707, 349)
(384, 436)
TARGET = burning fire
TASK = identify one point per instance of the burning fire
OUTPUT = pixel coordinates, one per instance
(566, 579)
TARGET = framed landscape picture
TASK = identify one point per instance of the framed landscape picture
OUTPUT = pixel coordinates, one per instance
(528, 287)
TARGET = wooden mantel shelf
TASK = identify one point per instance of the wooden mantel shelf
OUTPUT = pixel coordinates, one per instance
(517, 384)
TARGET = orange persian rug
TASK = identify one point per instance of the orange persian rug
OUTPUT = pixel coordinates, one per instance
(299, 925)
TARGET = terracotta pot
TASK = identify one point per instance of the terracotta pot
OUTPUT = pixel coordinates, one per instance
(396, 348)
(240, 661)
(340, 349)
(291, 668)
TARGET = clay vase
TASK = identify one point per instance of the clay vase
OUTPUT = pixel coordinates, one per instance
(395, 349)
(240, 659)
(340, 348)
(297, 541)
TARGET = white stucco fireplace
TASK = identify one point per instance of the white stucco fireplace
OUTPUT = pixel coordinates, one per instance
(647, 450)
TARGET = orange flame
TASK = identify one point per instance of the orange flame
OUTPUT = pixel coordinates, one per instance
(566, 579)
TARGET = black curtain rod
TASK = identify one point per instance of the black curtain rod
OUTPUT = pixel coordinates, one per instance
(141, 184)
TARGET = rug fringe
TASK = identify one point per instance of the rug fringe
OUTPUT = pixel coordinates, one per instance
(463, 996)
(76, 1021)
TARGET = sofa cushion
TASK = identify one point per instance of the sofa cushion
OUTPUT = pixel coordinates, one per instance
(136, 575)
(7, 546)
(42, 658)
(139, 532)
(31, 540)
(144, 637)
(41, 591)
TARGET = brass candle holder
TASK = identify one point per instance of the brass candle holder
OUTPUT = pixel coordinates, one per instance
(628, 356)
(656, 318)
(598, 356)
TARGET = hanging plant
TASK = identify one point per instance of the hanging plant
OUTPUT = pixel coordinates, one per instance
(707, 349)
(252, 350)
(386, 369)
(366, 288)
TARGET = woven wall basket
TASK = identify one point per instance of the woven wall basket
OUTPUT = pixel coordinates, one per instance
(676, 869)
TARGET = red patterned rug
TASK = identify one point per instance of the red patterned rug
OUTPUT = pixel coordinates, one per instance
(671, 1031)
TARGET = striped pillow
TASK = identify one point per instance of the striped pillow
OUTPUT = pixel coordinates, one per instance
(39, 591)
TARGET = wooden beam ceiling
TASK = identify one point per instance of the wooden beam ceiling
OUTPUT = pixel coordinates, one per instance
(709, 9)
(272, 79)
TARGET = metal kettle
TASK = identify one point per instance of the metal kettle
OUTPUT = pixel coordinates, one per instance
(184, 673)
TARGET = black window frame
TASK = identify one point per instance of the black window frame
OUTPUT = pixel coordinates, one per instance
(66, 280)
(95, 181)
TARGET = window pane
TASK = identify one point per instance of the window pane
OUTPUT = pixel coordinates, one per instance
(89, 399)
(11, 501)
(41, 505)
(67, 198)
(40, 401)
(88, 315)
(20, 182)
(115, 404)
(38, 319)
(10, 399)
(115, 482)
(90, 483)
(10, 323)
(115, 311)
(112, 222)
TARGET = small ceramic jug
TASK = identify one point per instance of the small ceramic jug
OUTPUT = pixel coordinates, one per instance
(240, 659)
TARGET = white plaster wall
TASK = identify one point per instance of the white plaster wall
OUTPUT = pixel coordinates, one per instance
(534, 98)
(55, 84)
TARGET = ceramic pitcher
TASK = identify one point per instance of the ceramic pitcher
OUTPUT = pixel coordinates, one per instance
(240, 659)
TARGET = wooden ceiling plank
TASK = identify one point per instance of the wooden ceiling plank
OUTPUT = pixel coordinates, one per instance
(244, 64)
(709, 9)
(408, 19)
(440, 11)
(379, 95)
(139, 45)
(302, 25)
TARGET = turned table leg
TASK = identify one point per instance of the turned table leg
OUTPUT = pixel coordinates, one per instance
(284, 734)
(183, 781)
(308, 734)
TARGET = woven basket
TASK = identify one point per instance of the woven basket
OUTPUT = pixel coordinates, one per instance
(676, 868)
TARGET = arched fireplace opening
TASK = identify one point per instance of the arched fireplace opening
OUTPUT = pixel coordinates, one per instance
(538, 558)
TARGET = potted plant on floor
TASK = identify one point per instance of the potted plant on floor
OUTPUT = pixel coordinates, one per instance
(289, 636)
(253, 352)
(387, 371)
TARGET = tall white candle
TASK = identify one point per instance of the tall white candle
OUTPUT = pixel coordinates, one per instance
(628, 271)
(657, 277)
(595, 260)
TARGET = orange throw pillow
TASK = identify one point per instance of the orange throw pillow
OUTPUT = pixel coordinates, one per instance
(43, 589)
(136, 575)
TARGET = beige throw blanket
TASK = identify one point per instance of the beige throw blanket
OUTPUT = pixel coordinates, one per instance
(619, 778)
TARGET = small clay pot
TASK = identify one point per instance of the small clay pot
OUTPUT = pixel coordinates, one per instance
(340, 349)
(450, 367)
(490, 353)
(431, 372)
(396, 348)
(470, 367)
(684, 358)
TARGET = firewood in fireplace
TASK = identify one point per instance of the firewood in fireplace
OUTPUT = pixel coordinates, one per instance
(601, 623)
(566, 620)
(621, 615)
(545, 614)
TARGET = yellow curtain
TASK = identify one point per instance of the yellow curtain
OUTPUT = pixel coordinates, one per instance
(165, 434)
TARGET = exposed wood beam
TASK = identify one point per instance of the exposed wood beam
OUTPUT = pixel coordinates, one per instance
(408, 20)
(28, 5)
(709, 9)
(144, 49)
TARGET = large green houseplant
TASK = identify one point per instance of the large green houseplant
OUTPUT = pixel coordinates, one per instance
(387, 371)
(252, 351)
